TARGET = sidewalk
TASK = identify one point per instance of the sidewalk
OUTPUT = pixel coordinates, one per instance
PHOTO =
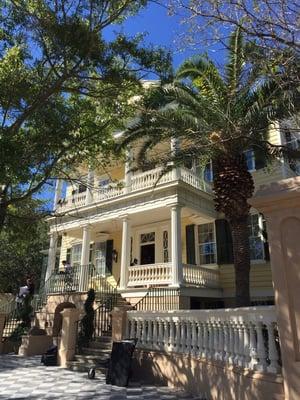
(26, 378)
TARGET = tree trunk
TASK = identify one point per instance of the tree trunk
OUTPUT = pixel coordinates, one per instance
(241, 253)
(3, 211)
(233, 186)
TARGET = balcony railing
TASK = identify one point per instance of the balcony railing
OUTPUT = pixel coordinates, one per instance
(140, 181)
(161, 274)
(242, 337)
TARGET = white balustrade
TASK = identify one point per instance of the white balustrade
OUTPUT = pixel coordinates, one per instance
(189, 177)
(150, 274)
(243, 337)
(144, 180)
(149, 179)
(205, 277)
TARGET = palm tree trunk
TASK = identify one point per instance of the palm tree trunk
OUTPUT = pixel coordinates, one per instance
(241, 254)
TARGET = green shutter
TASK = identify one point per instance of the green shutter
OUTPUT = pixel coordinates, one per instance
(190, 244)
(109, 259)
(224, 242)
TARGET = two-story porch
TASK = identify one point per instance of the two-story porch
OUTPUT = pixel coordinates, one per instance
(143, 237)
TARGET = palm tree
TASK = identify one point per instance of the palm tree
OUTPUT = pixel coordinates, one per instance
(218, 115)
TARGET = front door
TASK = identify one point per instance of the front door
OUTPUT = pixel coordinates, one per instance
(148, 254)
(100, 258)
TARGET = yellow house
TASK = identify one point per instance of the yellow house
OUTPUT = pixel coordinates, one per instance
(141, 230)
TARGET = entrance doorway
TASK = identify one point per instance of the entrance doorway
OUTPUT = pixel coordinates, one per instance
(148, 254)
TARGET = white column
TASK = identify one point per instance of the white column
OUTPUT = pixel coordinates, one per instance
(125, 254)
(90, 187)
(51, 255)
(57, 192)
(174, 149)
(85, 253)
(128, 172)
(177, 275)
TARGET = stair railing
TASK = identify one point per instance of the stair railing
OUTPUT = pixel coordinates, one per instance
(159, 299)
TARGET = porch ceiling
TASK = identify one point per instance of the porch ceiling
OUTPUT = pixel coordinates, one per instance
(146, 217)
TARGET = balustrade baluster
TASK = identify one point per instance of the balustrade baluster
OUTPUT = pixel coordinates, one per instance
(221, 327)
(210, 341)
(246, 346)
(231, 343)
(177, 337)
(273, 354)
(241, 361)
(160, 334)
(154, 335)
(226, 342)
(144, 333)
(188, 337)
(236, 344)
(166, 335)
(172, 335)
(149, 334)
(261, 349)
(139, 332)
(203, 339)
(215, 340)
(183, 336)
(194, 338)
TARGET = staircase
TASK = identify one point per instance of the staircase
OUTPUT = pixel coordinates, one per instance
(97, 356)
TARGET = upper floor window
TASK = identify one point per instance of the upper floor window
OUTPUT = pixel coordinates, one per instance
(250, 159)
(292, 140)
(208, 172)
(206, 244)
(256, 239)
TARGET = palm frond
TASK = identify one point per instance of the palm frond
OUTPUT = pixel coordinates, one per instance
(204, 76)
(236, 61)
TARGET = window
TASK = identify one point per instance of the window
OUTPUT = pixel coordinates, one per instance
(206, 244)
(81, 188)
(76, 254)
(250, 159)
(204, 172)
(165, 246)
(148, 237)
(208, 172)
(103, 183)
(293, 142)
(256, 237)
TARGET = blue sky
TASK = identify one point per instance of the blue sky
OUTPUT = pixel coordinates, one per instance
(161, 29)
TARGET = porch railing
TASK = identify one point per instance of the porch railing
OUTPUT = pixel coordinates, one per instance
(150, 274)
(242, 337)
(140, 181)
(161, 274)
(199, 276)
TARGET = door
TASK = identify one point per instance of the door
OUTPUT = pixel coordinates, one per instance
(148, 254)
(100, 258)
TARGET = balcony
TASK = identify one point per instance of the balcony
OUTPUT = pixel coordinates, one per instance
(137, 183)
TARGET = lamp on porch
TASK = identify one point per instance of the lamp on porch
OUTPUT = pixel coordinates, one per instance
(115, 255)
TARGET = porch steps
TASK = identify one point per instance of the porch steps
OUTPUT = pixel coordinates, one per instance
(96, 355)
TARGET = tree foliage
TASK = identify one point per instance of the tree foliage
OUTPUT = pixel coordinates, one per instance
(21, 242)
(272, 24)
(64, 87)
(218, 115)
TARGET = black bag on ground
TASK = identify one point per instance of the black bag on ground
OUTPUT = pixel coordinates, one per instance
(119, 369)
(50, 357)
